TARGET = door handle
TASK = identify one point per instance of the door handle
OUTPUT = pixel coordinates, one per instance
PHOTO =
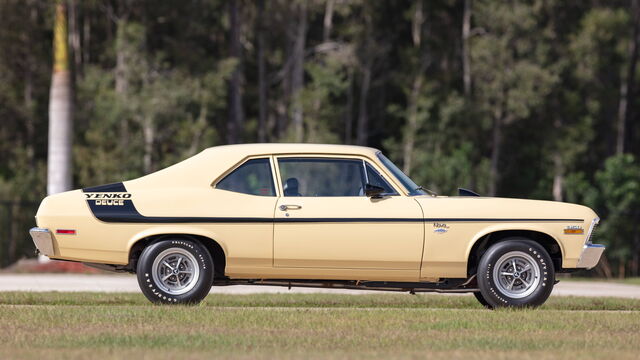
(290, 207)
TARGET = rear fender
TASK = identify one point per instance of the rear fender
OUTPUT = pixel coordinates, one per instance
(173, 229)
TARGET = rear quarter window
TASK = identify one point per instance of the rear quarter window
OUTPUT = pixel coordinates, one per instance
(252, 178)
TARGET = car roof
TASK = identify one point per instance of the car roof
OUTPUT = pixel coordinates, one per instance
(202, 168)
(293, 148)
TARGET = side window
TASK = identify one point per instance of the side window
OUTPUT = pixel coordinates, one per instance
(321, 177)
(376, 179)
(253, 178)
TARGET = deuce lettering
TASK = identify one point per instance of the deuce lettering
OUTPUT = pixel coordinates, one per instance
(117, 202)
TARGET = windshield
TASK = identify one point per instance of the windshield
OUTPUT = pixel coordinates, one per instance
(411, 187)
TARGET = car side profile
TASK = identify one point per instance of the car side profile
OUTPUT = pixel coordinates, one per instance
(314, 215)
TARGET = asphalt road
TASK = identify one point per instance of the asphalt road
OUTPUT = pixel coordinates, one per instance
(128, 283)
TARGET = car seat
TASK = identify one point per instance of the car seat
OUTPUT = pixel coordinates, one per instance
(291, 187)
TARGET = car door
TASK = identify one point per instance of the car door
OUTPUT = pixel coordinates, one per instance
(244, 199)
(324, 220)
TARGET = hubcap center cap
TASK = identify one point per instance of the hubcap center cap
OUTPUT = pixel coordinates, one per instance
(517, 274)
(175, 271)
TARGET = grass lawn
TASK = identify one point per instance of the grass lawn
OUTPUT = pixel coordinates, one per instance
(313, 326)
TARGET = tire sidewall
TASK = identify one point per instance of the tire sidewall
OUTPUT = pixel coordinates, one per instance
(155, 293)
(482, 300)
(487, 283)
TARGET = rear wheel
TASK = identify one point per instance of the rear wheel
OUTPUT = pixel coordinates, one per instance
(175, 271)
(516, 273)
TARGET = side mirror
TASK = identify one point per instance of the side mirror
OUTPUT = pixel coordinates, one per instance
(373, 191)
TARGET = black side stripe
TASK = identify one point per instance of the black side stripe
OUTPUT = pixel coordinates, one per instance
(286, 220)
(115, 187)
(127, 213)
(122, 218)
(137, 218)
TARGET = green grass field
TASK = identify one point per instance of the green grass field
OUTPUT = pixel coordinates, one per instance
(104, 326)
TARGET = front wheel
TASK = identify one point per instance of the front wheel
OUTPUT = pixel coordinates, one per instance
(175, 271)
(516, 273)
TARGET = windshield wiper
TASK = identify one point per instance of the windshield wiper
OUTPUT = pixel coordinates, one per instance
(432, 193)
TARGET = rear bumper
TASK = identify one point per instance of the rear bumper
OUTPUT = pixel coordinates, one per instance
(591, 254)
(43, 240)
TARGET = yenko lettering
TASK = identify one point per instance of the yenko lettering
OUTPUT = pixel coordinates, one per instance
(109, 196)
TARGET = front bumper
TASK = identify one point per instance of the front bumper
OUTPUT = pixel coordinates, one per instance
(43, 240)
(591, 254)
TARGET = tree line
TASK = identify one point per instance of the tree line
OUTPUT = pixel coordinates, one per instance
(534, 99)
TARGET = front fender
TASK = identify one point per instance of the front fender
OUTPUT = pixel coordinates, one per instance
(539, 228)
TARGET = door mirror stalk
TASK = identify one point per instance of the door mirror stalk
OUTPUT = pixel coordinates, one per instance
(373, 191)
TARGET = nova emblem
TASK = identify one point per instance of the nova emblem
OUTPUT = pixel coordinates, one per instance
(440, 228)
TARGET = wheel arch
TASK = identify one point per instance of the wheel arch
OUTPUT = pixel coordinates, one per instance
(215, 248)
(483, 241)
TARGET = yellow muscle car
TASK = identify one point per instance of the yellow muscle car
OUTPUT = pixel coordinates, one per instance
(314, 215)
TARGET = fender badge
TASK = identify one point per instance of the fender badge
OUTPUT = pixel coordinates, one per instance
(440, 228)
(574, 230)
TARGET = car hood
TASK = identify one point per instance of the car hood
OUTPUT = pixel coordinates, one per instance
(500, 208)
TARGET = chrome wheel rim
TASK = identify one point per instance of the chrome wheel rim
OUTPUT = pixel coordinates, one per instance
(175, 271)
(516, 274)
